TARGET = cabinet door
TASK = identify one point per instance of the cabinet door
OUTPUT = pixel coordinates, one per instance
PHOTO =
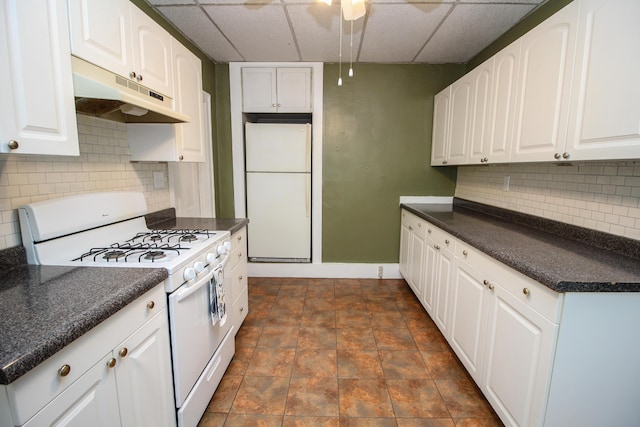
(240, 294)
(151, 52)
(293, 90)
(469, 307)
(259, 90)
(440, 134)
(505, 80)
(480, 114)
(546, 67)
(460, 121)
(443, 281)
(187, 73)
(101, 34)
(91, 401)
(37, 110)
(519, 353)
(143, 372)
(428, 297)
(605, 103)
(416, 262)
(405, 245)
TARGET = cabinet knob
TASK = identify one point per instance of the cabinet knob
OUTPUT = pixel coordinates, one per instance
(273, 105)
(485, 282)
(123, 352)
(241, 309)
(181, 157)
(139, 77)
(557, 156)
(111, 363)
(239, 238)
(526, 291)
(13, 144)
(132, 74)
(240, 278)
(490, 286)
(239, 254)
(446, 241)
(429, 230)
(64, 370)
(444, 162)
(411, 228)
(465, 253)
(565, 155)
(437, 247)
(485, 160)
(150, 305)
(279, 105)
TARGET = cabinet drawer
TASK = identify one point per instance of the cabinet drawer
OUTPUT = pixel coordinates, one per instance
(443, 239)
(537, 296)
(415, 224)
(29, 393)
(239, 239)
(238, 248)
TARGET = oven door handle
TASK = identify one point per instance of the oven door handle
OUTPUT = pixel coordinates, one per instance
(185, 291)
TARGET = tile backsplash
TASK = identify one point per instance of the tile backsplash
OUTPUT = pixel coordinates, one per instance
(603, 196)
(103, 165)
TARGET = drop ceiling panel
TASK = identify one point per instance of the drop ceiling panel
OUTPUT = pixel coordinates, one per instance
(469, 28)
(396, 33)
(317, 28)
(258, 32)
(197, 27)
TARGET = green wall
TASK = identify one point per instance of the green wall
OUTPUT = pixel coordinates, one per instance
(376, 148)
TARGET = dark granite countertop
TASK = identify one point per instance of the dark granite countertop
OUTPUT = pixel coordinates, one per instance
(562, 257)
(166, 219)
(45, 308)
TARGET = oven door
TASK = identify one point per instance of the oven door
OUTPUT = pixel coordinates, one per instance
(194, 338)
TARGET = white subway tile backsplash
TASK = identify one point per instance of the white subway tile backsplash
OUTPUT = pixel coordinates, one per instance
(103, 165)
(602, 196)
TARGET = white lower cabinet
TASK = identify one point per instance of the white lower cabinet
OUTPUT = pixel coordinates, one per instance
(239, 279)
(119, 373)
(413, 239)
(440, 277)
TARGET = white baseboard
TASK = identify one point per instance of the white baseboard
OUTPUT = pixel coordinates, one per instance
(324, 270)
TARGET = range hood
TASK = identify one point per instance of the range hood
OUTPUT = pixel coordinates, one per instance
(103, 94)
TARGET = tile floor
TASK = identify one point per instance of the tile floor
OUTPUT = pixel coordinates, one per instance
(336, 352)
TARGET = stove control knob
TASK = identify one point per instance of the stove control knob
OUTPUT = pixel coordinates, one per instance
(221, 249)
(189, 274)
(198, 267)
(211, 258)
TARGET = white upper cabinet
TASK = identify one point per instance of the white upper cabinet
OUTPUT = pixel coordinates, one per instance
(480, 143)
(544, 88)
(37, 108)
(605, 103)
(459, 121)
(119, 37)
(440, 133)
(276, 90)
(151, 53)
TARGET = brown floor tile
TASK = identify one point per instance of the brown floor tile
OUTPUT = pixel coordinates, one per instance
(359, 364)
(425, 422)
(256, 317)
(394, 339)
(292, 304)
(283, 317)
(298, 281)
(313, 397)
(317, 282)
(479, 422)
(364, 398)
(444, 366)
(293, 290)
(225, 393)
(318, 318)
(321, 363)
(264, 289)
(416, 398)
(238, 420)
(271, 362)
(356, 339)
(210, 419)
(248, 336)
(382, 305)
(430, 340)
(418, 321)
(261, 302)
(240, 361)
(279, 337)
(403, 364)
(317, 337)
(310, 421)
(386, 319)
(350, 302)
(319, 303)
(261, 395)
(463, 399)
(367, 422)
(352, 319)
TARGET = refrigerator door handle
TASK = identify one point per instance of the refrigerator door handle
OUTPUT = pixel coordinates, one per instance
(308, 148)
(307, 196)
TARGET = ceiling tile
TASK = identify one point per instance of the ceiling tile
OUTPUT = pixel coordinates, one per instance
(468, 29)
(396, 33)
(197, 27)
(317, 28)
(244, 2)
(259, 32)
(167, 2)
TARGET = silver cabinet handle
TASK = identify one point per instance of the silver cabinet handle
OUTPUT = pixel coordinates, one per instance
(13, 144)
(123, 352)
(111, 362)
(436, 247)
(465, 253)
(490, 286)
(557, 156)
(565, 155)
(526, 291)
(446, 241)
(64, 370)
(150, 305)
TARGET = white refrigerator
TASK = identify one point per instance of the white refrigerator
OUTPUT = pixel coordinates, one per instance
(278, 179)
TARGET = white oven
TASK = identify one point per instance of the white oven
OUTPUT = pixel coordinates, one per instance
(109, 230)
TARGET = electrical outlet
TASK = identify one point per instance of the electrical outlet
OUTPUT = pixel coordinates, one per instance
(505, 185)
(380, 272)
(158, 180)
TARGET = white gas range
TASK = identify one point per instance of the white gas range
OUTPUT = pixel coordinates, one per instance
(109, 230)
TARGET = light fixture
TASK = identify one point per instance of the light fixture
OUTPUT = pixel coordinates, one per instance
(351, 10)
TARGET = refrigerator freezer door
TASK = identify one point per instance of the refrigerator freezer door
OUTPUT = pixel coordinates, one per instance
(279, 208)
(276, 147)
